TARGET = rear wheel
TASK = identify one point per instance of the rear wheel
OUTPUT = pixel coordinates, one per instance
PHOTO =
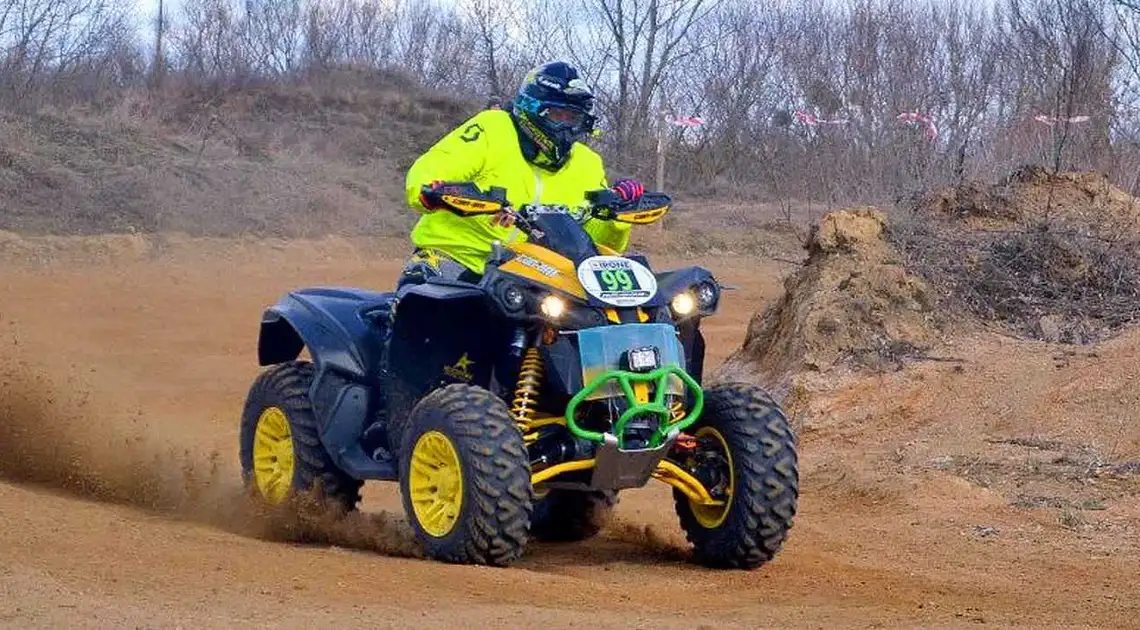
(563, 515)
(746, 455)
(281, 453)
(465, 477)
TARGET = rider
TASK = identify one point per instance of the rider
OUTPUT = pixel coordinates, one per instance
(531, 147)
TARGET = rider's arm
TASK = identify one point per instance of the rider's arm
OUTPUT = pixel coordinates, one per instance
(457, 157)
(612, 234)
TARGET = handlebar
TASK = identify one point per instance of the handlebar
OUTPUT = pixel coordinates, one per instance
(466, 199)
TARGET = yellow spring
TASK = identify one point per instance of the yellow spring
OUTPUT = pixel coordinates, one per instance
(677, 409)
(526, 391)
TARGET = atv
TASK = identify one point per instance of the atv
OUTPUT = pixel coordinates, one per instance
(517, 407)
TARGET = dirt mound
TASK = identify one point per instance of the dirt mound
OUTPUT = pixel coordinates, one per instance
(1054, 257)
(1032, 194)
(853, 304)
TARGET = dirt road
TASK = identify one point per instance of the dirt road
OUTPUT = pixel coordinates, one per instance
(123, 386)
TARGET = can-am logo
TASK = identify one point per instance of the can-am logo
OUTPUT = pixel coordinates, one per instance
(542, 267)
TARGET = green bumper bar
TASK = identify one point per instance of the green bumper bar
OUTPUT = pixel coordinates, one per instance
(660, 377)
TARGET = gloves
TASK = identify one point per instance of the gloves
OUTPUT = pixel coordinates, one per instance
(628, 189)
(431, 204)
(503, 219)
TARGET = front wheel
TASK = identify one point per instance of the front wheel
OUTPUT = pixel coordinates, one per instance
(465, 477)
(745, 455)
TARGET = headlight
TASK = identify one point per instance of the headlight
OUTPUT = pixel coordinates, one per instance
(552, 306)
(706, 296)
(683, 303)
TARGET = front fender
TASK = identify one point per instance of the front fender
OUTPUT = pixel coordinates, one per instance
(670, 283)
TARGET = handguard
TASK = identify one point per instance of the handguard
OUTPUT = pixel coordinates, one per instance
(465, 199)
(607, 205)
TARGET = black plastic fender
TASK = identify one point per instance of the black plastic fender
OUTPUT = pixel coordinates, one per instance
(440, 325)
(344, 330)
(669, 284)
(338, 325)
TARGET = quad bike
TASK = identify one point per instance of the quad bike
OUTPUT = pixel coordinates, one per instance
(518, 407)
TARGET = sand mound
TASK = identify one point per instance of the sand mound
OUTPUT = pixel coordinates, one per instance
(852, 305)
(1032, 194)
(1041, 256)
(1044, 256)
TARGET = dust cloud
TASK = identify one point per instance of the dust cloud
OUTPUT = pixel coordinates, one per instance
(59, 436)
(649, 538)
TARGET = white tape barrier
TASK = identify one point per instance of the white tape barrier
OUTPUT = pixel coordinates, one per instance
(1054, 120)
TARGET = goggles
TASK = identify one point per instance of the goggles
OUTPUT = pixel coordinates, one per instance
(566, 117)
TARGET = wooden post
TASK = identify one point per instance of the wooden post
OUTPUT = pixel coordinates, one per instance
(661, 170)
(661, 159)
(158, 70)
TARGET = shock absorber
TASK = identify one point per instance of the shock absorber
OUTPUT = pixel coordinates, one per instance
(526, 391)
(677, 409)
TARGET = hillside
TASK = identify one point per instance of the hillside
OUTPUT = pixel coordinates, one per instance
(272, 160)
(323, 157)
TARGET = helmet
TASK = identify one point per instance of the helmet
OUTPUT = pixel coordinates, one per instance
(554, 108)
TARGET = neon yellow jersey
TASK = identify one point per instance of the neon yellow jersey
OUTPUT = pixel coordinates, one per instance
(485, 150)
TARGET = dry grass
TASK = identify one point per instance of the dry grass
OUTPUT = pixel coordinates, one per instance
(326, 155)
(1049, 257)
(300, 160)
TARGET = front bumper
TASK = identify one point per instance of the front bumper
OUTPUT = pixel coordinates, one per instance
(602, 353)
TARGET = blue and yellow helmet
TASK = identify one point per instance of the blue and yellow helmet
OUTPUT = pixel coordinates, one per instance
(554, 108)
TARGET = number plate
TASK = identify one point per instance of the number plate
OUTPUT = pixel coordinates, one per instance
(618, 281)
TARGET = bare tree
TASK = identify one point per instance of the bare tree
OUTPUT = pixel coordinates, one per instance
(43, 41)
(1062, 55)
(650, 38)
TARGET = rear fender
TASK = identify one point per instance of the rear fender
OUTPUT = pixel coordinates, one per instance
(344, 331)
(342, 328)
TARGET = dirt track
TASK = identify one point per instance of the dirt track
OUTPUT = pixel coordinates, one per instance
(140, 369)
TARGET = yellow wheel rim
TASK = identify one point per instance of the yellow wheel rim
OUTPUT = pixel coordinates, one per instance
(435, 483)
(273, 455)
(712, 516)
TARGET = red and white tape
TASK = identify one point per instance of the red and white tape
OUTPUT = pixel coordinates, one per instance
(685, 121)
(921, 119)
